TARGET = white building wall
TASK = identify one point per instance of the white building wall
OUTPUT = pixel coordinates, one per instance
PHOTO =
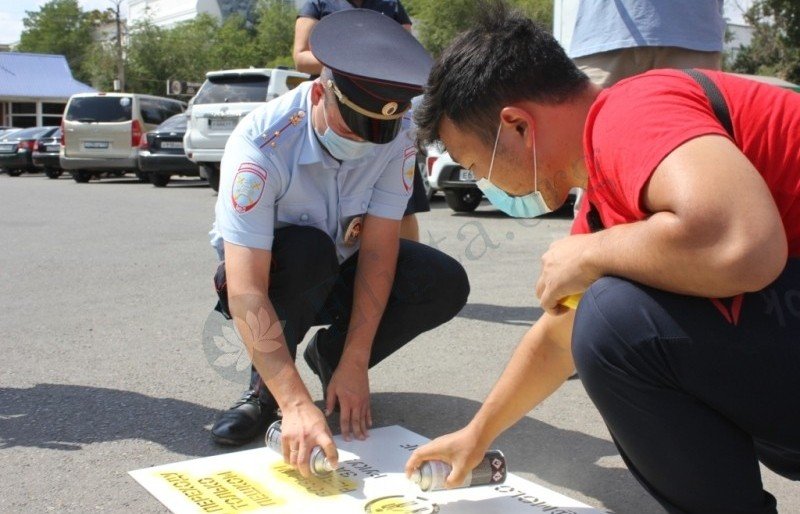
(165, 13)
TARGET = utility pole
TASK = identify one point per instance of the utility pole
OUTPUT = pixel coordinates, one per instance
(120, 62)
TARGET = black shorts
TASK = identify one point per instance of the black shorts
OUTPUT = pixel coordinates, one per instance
(419, 200)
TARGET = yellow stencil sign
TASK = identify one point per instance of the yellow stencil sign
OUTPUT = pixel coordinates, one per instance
(321, 487)
(223, 492)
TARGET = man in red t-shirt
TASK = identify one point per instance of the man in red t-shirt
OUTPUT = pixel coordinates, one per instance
(687, 337)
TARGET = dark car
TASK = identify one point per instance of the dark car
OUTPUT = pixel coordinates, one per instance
(161, 152)
(45, 154)
(16, 149)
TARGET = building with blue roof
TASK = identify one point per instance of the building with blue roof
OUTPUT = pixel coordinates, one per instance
(34, 89)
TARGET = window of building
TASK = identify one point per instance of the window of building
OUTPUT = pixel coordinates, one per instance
(51, 113)
(23, 114)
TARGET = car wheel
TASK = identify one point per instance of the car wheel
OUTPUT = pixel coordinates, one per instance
(213, 177)
(142, 176)
(82, 177)
(53, 173)
(15, 173)
(427, 185)
(159, 179)
(463, 200)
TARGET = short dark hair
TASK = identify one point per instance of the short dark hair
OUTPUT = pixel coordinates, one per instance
(506, 57)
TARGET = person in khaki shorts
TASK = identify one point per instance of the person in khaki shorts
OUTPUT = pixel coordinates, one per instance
(616, 40)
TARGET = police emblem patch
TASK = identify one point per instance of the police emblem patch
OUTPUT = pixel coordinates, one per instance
(409, 165)
(248, 186)
(353, 231)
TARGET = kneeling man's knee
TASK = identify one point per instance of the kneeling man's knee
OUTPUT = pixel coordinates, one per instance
(596, 341)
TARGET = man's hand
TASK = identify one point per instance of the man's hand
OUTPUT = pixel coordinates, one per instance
(462, 450)
(304, 427)
(565, 271)
(350, 386)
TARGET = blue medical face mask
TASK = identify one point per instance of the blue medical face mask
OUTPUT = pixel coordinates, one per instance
(340, 147)
(527, 206)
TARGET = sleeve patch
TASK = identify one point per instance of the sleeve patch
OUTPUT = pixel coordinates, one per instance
(409, 166)
(248, 186)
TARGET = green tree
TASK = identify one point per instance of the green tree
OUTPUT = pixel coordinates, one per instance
(59, 27)
(775, 48)
(100, 66)
(149, 63)
(275, 32)
(234, 45)
(437, 23)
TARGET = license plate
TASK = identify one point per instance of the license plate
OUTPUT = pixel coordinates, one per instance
(223, 123)
(171, 144)
(52, 148)
(466, 175)
(7, 148)
(95, 144)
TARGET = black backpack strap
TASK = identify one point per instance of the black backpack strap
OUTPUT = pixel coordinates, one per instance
(715, 97)
(593, 218)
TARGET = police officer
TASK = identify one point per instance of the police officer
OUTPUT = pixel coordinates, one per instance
(308, 16)
(312, 190)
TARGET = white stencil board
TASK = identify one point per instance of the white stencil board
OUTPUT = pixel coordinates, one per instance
(370, 479)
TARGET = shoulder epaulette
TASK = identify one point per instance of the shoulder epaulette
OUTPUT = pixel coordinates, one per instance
(269, 138)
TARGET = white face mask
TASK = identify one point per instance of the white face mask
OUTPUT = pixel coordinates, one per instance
(340, 147)
(527, 206)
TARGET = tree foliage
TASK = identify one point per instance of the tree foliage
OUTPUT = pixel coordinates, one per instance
(437, 23)
(275, 32)
(775, 48)
(154, 54)
(59, 27)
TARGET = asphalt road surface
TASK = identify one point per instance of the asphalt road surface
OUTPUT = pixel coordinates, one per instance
(106, 290)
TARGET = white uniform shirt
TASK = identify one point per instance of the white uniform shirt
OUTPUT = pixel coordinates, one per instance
(275, 173)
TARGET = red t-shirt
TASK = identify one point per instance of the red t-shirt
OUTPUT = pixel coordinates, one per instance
(635, 124)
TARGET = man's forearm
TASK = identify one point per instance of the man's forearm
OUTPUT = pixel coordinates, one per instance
(539, 365)
(262, 334)
(373, 283)
(659, 252)
(306, 62)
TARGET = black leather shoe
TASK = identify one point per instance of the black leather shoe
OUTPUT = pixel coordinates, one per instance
(318, 365)
(244, 421)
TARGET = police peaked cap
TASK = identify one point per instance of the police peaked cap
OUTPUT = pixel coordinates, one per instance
(377, 65)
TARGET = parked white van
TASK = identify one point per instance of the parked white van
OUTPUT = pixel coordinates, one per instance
(226, 97)
(101, 132)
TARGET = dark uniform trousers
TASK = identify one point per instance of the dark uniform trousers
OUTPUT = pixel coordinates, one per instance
(692, 397)
(309, 287)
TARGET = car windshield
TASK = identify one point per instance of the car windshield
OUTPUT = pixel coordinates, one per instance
(32, 133)
(176, 123)
(226, 89)
(93, 109)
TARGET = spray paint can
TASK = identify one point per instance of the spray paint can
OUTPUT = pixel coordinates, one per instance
(432, 474)
(318, 463)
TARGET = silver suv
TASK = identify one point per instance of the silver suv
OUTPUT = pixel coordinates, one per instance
(225, 98)
(101, 132)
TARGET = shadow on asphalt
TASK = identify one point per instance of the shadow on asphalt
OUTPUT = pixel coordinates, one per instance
(67, 417)
(506, 315)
